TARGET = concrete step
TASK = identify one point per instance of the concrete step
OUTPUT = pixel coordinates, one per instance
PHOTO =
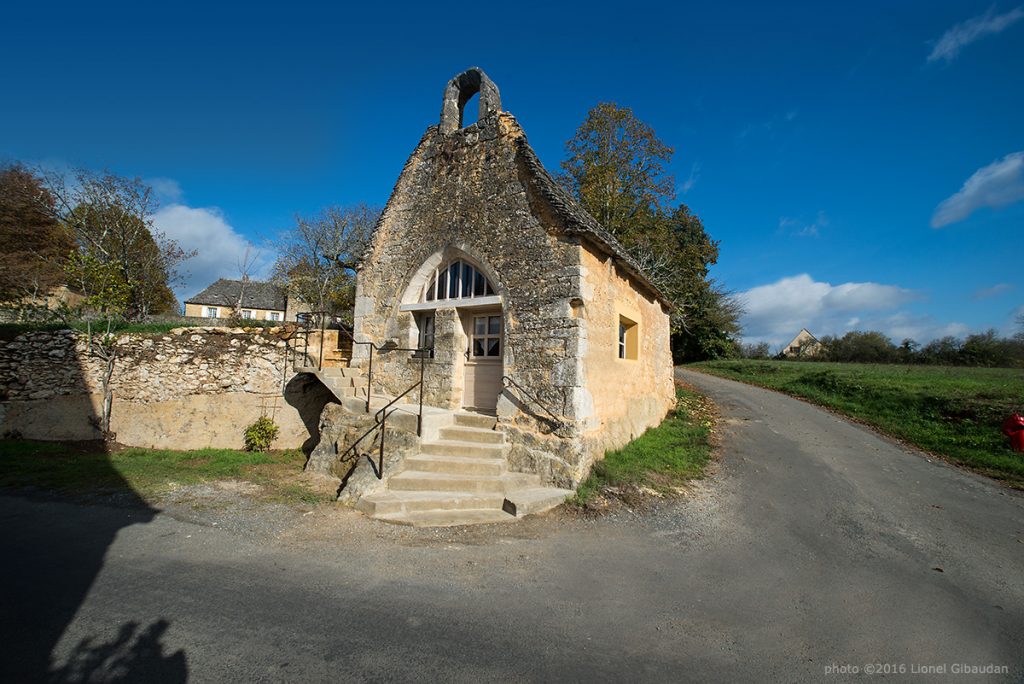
(456, 465)
(354, 400)
(425, 481)
(338, 381)
(461, 433)
(344, 372)
(447, 447)
(388, 502)
(520, 502)
(449, 518)
(476, 420)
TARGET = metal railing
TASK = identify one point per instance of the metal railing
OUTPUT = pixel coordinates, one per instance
(555, 422)
(380, 418)
(314, 320)
(318, 321)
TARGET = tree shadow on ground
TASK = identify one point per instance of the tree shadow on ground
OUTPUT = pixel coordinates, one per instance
(134, 655)
(53, 549)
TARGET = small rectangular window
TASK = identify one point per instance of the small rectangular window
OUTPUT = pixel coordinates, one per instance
(246, 314)
(275, 316)
(628, 343)
(211, 312)
(425, 323)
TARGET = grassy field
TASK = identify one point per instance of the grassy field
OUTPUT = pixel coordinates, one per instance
(81, 469)
(663, 458)
(952, 412)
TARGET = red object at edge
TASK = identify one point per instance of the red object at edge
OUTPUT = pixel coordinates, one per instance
(1014, 423)
(1017, 440)
(1013, 427)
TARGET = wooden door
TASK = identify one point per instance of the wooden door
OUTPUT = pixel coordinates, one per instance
(483, 361)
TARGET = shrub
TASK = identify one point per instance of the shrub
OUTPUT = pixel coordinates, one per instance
(260, 434)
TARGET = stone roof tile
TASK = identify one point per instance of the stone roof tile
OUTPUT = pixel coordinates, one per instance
(257, 295)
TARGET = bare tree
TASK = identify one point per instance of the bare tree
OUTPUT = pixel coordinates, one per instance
(246, 263)
(111, 219)
(317, 258)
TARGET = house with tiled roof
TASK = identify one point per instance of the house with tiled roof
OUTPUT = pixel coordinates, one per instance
(254, 300)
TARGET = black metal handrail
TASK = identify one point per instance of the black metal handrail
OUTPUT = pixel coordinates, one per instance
(308, 320)
(380, 418)
(508, 381)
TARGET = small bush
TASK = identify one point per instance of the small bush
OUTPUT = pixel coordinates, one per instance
(260, 434)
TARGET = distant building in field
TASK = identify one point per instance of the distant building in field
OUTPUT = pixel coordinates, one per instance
(804, 344)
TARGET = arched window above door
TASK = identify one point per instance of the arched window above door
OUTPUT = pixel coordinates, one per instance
(457, 279)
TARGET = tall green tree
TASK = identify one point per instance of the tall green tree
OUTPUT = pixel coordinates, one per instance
(616, 167)
(36, 245)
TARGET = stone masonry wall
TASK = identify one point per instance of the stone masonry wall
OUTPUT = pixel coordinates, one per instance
(191, 388)
(467, 195)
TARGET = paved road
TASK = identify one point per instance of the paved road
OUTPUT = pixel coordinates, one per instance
(815, 545)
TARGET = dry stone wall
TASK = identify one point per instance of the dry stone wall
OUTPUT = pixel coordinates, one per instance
(190, 388)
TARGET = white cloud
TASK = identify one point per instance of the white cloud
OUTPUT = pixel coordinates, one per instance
(220, 248)
(776, 312)
(692, 178)
(975, 28)
(795, 226)
(994, 186)
(166, 189)
(994, 291)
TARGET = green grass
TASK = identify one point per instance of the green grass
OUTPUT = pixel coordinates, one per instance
(663, 458)
(76, 469)
(953, 412)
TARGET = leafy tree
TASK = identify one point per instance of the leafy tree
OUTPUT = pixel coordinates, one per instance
(866, 347)
(35, 244)
(758, 350)
(319, 255)
(616, 168)
(111, 220)
(943, 351)
(107, 293)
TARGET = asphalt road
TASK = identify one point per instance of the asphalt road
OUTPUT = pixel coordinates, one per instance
(816, 545)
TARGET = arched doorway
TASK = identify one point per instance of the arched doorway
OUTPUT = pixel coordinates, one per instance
(455, 290)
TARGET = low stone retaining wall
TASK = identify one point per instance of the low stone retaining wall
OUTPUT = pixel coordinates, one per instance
(191, 388)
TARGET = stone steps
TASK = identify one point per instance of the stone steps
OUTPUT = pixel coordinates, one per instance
(462, 478)
(447, 518)
(427, 481)
(536, 499)
(459, 448)
(461, 433)
(456, 465)
(389, 503)
(475, 420)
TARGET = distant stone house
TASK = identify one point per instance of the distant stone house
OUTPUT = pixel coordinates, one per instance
(260, 301)
(804, 344)
(532, 311)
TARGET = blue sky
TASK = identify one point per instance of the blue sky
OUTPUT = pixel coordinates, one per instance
(861, 164)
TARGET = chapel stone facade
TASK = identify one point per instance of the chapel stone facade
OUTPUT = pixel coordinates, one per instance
(530, 309)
